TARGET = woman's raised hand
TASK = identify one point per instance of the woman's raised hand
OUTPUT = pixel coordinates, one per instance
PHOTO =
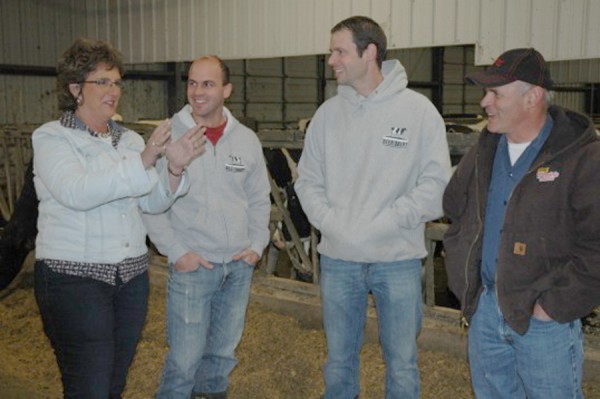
(157, 144)
(183, 150)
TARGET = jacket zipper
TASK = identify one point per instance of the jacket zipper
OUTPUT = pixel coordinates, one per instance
(225, 229)
(464, 323)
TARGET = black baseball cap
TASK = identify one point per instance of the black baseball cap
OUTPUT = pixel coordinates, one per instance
(525, 64)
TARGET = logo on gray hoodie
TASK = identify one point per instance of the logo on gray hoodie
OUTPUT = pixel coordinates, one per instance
(236, 164)
(396, 138)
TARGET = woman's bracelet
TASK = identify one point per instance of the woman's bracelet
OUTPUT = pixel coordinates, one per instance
(173, 173)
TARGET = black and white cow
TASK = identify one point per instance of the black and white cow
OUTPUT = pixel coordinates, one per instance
(282, 167)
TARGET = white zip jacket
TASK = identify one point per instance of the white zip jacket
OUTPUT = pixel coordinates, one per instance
(92, 195)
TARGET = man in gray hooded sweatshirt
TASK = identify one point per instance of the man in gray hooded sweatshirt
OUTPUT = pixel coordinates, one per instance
(213, 237)
(374, 167)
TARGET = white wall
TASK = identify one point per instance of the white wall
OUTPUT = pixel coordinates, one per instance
(179, 30)
(559, 29)
(275, 90)
(34, 32)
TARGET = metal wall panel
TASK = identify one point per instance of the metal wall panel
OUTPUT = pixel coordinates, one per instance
(28, 99)
(265, 67)
(454, 100)
(416, 62)
(144, 99)
(559, 29)
(579, 71)
(238, 93)
(32, 99)
(300, 90)
(34, 32)
(275, 91)
(296, 112)
(422, 16)
(267, 115)
(184, 29)
(264, 90)
(571, 100)
(432, 23)
(466, 22)
(455, 95)
(301, 67)
(11, 32)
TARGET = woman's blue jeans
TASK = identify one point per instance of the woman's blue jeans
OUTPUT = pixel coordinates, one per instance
(396, 287)
(544, 363)
(206, 311)
(93, 327)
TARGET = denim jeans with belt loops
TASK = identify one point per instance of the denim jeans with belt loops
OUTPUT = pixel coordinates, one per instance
(206, 311)
(396, 287)
(544, 363)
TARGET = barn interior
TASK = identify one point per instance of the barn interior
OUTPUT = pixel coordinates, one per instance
(277, 53)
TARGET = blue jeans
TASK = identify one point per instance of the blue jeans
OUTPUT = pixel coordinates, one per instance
(544, 363)
(93, 327)
(206, 311)
(396, 287)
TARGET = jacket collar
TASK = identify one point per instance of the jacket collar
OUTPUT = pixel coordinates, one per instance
(571, 129)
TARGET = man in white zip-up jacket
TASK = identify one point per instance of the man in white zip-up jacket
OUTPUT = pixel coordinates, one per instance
(372, 172)
(213, 237)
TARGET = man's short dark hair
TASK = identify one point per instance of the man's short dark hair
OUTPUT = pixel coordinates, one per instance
(225, 70)
(364, 32)
(226, 75)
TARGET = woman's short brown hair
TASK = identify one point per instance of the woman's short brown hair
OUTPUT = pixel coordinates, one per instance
(78, 61)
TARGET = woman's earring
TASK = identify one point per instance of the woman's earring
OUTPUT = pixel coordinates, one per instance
(79, 100)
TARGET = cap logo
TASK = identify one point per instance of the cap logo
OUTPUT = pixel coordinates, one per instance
(499, 62)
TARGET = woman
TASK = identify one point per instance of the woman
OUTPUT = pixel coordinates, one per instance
(93, 179)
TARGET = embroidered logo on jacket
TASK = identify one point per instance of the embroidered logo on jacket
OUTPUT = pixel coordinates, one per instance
(396, 138)
(236, 164)
(544, 175)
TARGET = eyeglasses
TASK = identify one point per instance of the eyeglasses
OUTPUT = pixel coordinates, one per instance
(106, 83)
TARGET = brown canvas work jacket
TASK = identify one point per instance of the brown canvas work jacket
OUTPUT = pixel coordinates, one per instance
(550, 244)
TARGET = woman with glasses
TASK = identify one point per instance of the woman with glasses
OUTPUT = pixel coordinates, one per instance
(94, 178)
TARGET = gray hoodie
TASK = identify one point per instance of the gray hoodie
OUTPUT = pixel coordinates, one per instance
(373, 171)
(227, 208)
